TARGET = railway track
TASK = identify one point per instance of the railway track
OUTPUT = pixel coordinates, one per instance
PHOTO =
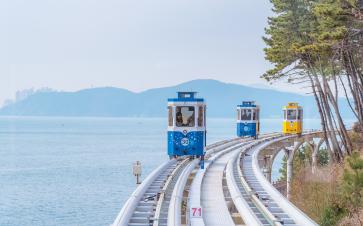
(149, 204)
(208, 190)
(231, 190)
(251, 205)
(257, 201)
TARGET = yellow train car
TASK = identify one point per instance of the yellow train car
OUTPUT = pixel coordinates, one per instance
(293, 119)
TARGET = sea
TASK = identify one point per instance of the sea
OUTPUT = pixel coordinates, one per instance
(78, 171)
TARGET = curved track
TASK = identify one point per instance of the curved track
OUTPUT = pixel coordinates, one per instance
(208, 191)
(147, 205)
(231, 190)
(254, 198)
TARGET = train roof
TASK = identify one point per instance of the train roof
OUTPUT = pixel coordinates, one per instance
(186, 97)
(248, 104)
(292, 105)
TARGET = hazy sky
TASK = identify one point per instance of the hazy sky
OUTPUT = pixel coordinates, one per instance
(134, 44)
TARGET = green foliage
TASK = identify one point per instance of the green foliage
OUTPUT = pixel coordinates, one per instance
(332, 215)
(352, 186)
(302, 34)
(286, 34)
(302, 158)
(283, 169)
(323, 157)
(349, 199)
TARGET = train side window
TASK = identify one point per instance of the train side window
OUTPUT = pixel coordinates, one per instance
(185, 116)
(300, 115)
(258, 114)
(200, 116)
(254, 114)
(170, 115)
(204, 114)
(246, 114)
(238, 114)
(291, 114)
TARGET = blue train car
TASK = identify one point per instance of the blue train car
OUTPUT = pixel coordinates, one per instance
(186, 125)
(248, 119)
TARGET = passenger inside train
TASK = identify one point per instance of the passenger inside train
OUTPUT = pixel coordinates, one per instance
(185, 116)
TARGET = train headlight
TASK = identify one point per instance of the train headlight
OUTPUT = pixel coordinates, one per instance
(245, 128)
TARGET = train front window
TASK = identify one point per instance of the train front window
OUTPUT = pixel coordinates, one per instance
(185, 116)
(246, 114)
(291, 114)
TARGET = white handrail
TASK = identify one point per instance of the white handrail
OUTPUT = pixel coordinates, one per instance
(174, 212)
(128, 209)
(295, 213)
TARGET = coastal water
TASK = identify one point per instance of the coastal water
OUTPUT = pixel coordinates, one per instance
(77, 171)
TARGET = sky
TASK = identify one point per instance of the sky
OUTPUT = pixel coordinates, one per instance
(134, 44)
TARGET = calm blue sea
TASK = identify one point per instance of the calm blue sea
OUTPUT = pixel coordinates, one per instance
(77, 171)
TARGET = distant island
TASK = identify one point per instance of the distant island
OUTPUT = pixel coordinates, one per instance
(221, 98)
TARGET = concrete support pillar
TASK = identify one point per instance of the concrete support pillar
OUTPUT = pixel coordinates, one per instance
(311, 145)
(267, 167)
(314, 155)
(289, 167)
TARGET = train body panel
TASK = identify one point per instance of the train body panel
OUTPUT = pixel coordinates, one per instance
(292, 127)
(293, 119)
(186, 125)
(245, 129)
(186, 143)
(248, 119)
